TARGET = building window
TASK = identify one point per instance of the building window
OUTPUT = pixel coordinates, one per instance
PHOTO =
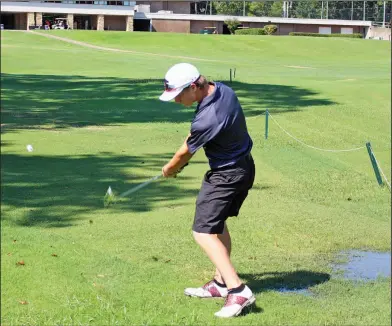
(346, 30)
(116, 3)
(324, 30)
(85, 2)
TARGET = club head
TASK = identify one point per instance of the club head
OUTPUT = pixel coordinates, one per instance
(109, 198)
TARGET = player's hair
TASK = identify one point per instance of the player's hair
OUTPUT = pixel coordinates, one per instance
(201, 82)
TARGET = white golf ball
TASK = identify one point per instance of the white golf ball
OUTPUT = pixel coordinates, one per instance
(29, 148)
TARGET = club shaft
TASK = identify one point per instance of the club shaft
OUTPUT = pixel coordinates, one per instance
(130, 191)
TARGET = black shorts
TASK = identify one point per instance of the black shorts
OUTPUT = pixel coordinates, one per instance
(222, 194)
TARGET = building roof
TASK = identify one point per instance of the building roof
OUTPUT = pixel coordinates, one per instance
(272, 20)
(65, 8)
(62, 8)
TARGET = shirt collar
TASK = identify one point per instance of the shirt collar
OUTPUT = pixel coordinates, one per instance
(208, 99)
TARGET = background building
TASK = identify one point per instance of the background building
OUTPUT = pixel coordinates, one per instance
(195, 16)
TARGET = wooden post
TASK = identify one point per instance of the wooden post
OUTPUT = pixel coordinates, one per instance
(266, 124)
(374, 164)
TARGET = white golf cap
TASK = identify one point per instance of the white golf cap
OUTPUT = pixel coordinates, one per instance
(177, 78)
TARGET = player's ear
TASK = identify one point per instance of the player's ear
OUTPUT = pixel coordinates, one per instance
(193, 87)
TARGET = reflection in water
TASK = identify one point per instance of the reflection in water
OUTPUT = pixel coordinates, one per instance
(364, 265)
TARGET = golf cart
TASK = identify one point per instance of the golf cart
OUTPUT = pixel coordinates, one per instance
(60, 23)
(208, 30)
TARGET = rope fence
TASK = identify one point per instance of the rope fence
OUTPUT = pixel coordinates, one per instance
(310, 146)
(376, 166)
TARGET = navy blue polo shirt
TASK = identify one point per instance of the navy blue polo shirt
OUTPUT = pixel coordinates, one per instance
(219, 127)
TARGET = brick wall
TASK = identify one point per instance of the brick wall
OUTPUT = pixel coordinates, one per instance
(285, 29)
(21, 21)
(175, 26)
(306, 28)
(337, 29)
(182, 7)
(255, 25)
(197, 25)
(115, 23)
(178, 7)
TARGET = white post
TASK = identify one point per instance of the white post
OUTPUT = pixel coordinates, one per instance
(383, 17)
(364, 10)
(352, 9)
(327, 10)
(243, 11)
(287, 11)
(322, 9)
(211, 7)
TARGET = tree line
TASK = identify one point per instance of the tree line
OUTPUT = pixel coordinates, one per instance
(373, 11)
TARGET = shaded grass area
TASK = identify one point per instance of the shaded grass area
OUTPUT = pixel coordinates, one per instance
(273, 281)
(48, 101)
(56, 189)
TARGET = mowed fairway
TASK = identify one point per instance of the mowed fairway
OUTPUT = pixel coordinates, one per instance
(94, 120)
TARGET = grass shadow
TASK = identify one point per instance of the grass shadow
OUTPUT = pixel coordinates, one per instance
(58, 102)
(253, 309)
(274, 281)
(55, 190)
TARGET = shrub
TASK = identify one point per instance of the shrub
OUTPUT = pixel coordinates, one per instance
(357, 35)
(232, 25)
(251, 31)
(270, 29)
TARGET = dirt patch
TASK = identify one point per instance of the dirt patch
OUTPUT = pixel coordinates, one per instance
(95, 128)
(299, 67)
(84, 44)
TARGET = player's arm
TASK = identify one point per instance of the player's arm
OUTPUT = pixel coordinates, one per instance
(180, 158)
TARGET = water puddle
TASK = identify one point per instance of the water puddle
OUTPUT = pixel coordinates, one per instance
(363, 265)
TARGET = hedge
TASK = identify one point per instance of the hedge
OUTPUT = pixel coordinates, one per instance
(251, 31)
(355, 35)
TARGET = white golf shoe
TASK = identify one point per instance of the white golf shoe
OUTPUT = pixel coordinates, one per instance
(208, 290)
(235, 303)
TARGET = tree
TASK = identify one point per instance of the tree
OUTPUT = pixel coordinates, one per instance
(259, 9)
(231, 8)
(276, 9)
(232, 25)
(306, 9)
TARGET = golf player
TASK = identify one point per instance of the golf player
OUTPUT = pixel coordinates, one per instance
(219, 127)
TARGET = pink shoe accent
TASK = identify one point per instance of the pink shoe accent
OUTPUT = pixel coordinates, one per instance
(235, 299)
(211, 287)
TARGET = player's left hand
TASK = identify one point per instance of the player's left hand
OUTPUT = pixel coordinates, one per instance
(166, 172)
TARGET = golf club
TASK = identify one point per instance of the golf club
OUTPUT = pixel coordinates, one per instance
(110, 197)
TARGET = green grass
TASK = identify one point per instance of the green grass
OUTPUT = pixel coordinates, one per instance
(94, 124)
